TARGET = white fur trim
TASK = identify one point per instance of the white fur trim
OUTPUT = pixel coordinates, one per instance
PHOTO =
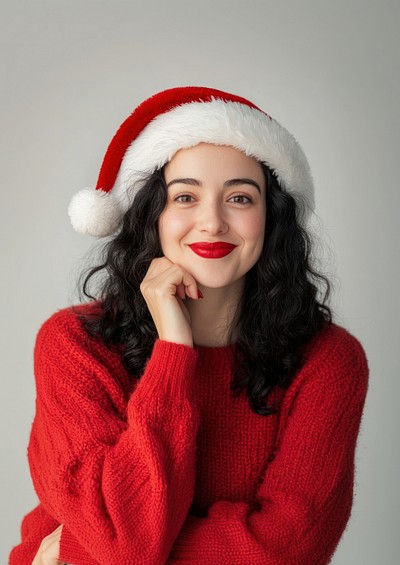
(94, 212)
(220, 123)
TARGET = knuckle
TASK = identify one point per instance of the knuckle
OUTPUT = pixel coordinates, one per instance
(157, 262)
(177, 269)
(158, 292)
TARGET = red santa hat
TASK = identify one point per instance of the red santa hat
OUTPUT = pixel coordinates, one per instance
(179, 118)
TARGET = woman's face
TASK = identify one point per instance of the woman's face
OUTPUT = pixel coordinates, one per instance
(214, 220)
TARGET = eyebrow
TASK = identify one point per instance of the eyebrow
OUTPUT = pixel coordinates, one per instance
(228, 183)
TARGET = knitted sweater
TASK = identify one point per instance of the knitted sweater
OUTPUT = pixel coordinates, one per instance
(174, 469)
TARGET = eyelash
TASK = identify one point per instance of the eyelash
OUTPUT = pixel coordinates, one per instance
(249, 200)
(185, 195)
(176, 198)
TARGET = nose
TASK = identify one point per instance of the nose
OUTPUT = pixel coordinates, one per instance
(212, 219)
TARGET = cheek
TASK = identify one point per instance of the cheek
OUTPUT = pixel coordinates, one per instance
(171, 227)
(252, 228)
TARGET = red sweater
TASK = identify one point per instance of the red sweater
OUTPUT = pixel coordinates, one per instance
(173, 469)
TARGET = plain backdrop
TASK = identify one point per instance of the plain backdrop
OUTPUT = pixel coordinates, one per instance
(71, 72)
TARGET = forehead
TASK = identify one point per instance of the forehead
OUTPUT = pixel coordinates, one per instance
(208, 160)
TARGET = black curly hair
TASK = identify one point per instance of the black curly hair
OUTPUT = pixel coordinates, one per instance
(278, 315)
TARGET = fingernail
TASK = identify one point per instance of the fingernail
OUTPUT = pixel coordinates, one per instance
(200, 294)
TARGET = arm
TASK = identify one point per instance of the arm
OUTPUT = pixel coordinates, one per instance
(305, 498)
(121, 487)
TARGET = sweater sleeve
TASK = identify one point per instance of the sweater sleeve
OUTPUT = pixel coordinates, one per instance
(304, 500)
(121, 484)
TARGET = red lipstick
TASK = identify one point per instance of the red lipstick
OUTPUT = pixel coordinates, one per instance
(214, 250)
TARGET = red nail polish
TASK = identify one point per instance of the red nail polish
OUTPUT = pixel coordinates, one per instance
(200, 294)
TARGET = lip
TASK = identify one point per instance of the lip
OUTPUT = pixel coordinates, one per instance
(214, 250)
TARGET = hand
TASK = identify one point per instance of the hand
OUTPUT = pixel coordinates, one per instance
(49, 549)
(164, 288)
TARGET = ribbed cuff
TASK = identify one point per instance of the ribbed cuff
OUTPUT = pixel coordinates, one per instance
(72, 552)
(169, 373)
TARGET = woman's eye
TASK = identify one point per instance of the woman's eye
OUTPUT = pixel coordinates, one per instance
(184, 198)
(240, 199)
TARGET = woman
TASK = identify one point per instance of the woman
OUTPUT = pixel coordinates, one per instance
(204, 408)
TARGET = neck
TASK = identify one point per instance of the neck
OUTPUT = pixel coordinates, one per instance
(212, 316)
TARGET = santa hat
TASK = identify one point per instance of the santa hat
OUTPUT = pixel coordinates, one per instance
(180, 118)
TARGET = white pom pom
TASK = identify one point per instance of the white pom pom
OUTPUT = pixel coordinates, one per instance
(94, 212)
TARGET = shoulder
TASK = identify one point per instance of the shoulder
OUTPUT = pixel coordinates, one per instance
(332, 382)
(70, 315)
(65, 350)
(65, 324)
(71, 364)
(76, 375)
(335, 356)
(335, 344)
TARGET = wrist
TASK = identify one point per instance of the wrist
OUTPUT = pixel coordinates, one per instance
(176, 335)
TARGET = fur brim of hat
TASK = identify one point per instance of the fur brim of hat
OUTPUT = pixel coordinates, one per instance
(217, 121)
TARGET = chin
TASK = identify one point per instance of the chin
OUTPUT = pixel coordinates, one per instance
(208, 284)
(214, 273)
(221, 281)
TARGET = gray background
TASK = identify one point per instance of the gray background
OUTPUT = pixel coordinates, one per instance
(72, 71)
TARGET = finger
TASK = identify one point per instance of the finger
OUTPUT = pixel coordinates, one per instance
(187, 287)
(158, 265)
(168, 281)
(181, 291)
(183, 279)
(162, 265)
(191, 288)
(48, 549)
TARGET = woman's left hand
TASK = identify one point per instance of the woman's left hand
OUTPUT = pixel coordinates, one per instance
(49, 549)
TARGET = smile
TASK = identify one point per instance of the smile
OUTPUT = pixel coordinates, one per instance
(214, 250)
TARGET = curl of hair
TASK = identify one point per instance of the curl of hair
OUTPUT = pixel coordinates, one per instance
(278, 315)
(279, 312)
